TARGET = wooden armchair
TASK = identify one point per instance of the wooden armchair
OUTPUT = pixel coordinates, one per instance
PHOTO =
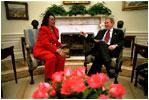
(115, 63)
(30, 39)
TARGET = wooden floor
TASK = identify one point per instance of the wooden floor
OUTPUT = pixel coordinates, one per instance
(23, 90)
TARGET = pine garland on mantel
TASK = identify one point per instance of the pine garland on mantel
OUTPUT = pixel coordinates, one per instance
(82, 16)
(79, 10)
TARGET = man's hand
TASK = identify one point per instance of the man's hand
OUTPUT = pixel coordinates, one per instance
(82, 33)
(112, 47)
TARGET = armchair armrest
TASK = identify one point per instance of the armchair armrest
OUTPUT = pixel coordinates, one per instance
(29, 48)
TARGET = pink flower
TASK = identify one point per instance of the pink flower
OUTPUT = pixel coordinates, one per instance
(40, 95)
(68, 72)
(117, 90)
(102, 96)
(73, 85)
(42, 92)
(45, 87)
(102, 76)
(54, 84)
(53, 93)
(94, 82)
(66, 90)
(103, 88)
(78, 85)
(80, 72)
(57, 76)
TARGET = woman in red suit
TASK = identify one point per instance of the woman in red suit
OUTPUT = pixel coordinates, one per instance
(47, 47)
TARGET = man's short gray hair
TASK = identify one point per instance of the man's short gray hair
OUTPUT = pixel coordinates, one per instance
(111, 19)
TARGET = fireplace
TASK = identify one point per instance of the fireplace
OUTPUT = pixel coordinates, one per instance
(77, 45)
(70, 27)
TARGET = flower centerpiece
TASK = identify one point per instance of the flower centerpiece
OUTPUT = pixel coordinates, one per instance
(76, 84)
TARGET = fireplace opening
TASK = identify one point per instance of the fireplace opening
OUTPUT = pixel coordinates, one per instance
(77, 45)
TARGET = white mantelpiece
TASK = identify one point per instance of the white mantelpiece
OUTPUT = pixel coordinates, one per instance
(79, 23)
(80, 20)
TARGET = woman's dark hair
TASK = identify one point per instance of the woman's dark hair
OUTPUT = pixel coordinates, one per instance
(45, 19)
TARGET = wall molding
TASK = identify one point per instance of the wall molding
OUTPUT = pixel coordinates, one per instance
(127, 33)
(9, 39)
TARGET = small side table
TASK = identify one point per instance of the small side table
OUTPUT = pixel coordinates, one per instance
(132, 39)
(7, 52)
(143, 51)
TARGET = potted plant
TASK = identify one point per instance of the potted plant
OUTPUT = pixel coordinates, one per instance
(77, 9)
(99, 8)
(56, 10)
(69, 84)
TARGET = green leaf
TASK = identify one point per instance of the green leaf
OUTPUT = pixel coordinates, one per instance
(99, 90)
(93, 96)
(86, 93)
(63, 96)
(106, 92)
(53, 97)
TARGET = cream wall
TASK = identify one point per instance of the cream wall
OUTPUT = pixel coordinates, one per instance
(136, 22)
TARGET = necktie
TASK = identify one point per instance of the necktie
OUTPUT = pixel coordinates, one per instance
(107, 37)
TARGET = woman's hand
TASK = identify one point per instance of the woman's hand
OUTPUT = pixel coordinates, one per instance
(60, 52)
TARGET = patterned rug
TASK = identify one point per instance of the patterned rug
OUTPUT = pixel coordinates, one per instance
(22, 68)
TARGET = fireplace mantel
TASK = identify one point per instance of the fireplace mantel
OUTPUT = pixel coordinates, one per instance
(81, 16)
(70, 27)
(81, 20)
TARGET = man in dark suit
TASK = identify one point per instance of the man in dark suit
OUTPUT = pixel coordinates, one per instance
(108, 44)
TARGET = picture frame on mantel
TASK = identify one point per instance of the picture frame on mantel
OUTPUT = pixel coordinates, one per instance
(76, 2)
(16, 10)
(134, 5)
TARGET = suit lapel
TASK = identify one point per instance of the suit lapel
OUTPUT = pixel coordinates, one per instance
(114, 34)
(102, 34)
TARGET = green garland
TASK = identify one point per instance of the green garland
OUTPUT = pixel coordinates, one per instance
(80, 9)
(99, 8)
(77, 9)
(56, 10)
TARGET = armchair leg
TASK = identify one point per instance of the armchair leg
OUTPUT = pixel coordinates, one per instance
(1, 91)
(146, 87)
(115, 81)
(31, 74)
(120, 70)
(85, 65)
(136, 79)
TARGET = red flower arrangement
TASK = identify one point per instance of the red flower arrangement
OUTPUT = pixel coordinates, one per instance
(77, 85)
